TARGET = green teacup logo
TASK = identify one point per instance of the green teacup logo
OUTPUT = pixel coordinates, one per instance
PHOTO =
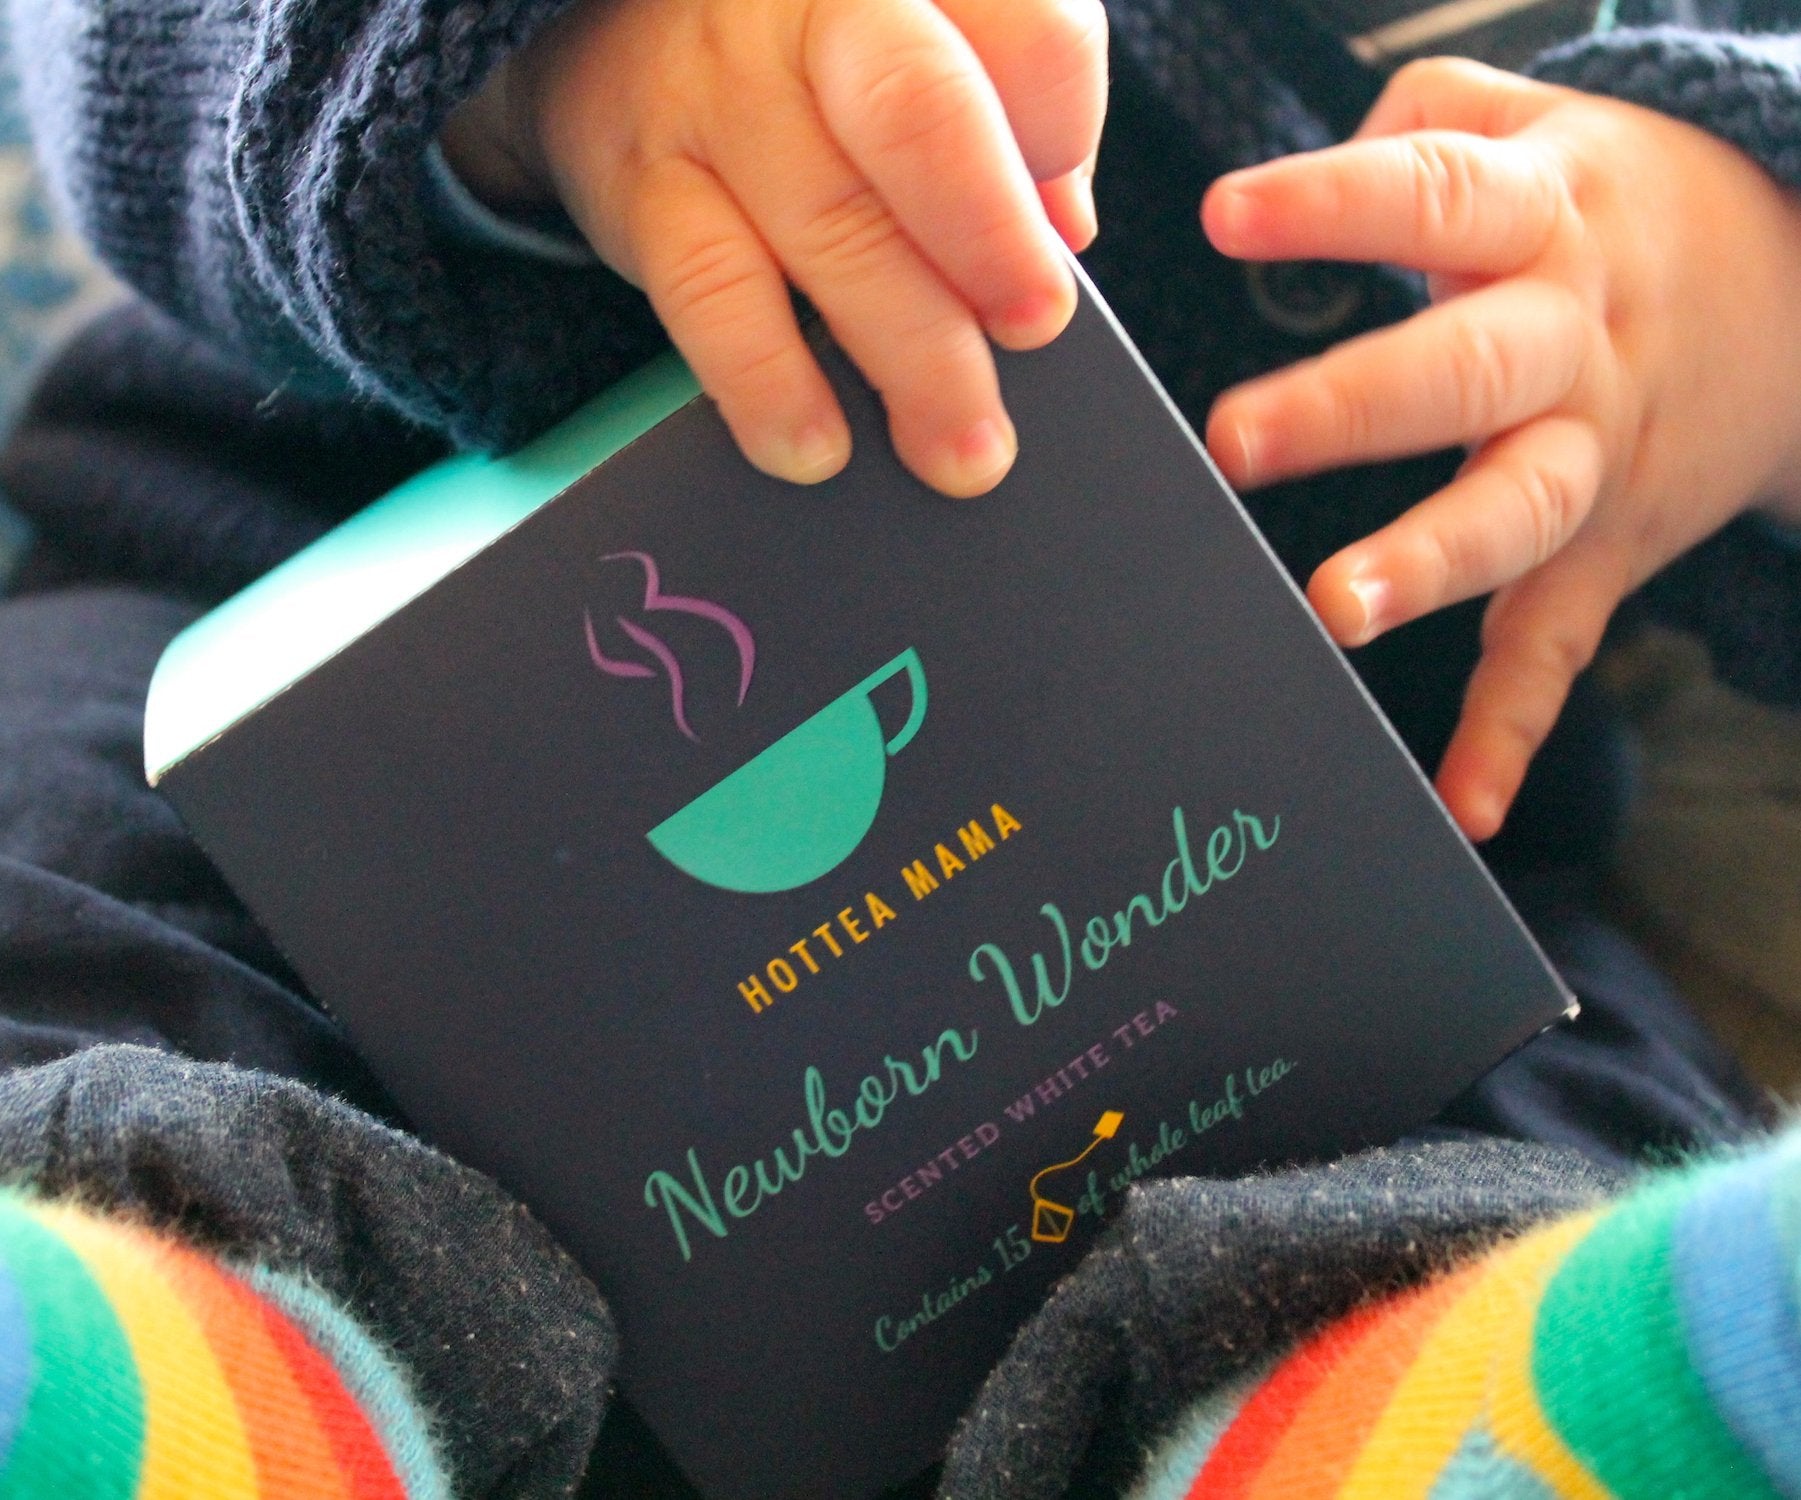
(800, 808)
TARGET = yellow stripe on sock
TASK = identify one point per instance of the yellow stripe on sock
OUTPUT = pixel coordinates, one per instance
(194, 1440)
(1515, 1418)
(1446, 1392)
(1439, 1398)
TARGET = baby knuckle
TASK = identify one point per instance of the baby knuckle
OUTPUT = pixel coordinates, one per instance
(1413, 77)
(714, 38)
(1567, 307)
(995, 239)
(1497, 621)
(1547, 197)
(1068, 41)
(1057, 85)
(706, 277)
(940, 380)
(1351, 415)
(947, 346)
(851, 233)
(1456, 563)
(1529, 678)
(1550, 505)
(1483, 377)
(1427, 75)
(763, 367)
(1416, 88)
(1085, 24)
(915, 98)
(1447, 196)
(1565, 652)
(1527, 715)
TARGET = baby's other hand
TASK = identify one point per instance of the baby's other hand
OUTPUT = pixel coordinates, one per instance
(1612, 337)
(910, 166)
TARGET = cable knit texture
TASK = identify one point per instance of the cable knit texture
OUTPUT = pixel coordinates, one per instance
(1740, 88)
(257, 170)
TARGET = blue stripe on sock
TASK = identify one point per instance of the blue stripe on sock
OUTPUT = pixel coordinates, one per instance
(1740, 1320)
(1171, 1471)
(16, 1364)
(1479, 1470)
(374, 1381)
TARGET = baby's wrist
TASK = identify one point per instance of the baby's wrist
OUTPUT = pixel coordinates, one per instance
(1767, 285)
(542, 233)
(1779, 499)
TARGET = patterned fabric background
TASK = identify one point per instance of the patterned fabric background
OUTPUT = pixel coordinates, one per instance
(47, 281)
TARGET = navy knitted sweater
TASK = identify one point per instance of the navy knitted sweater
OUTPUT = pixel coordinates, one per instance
(308, 332)
(258, 172)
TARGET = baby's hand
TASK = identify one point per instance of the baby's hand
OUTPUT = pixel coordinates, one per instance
(1612, 336)
(909, 166)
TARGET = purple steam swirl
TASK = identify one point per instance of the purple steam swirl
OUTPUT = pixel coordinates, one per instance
(656, 600)
(606, 663)
(670, 665)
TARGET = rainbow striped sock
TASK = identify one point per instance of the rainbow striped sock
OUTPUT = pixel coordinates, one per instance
(132, 1368)
(1649, 1350)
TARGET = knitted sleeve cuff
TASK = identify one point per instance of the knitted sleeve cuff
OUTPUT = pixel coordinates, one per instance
(328, 144)
(262, 174)
(1744, 89)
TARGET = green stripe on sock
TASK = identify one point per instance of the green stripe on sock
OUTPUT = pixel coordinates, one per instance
(83, 1431)
(1612, 1372)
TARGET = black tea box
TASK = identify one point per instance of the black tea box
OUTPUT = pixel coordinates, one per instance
(820, 906)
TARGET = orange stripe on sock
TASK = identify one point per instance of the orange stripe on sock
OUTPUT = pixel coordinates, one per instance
(362, 1461)
(1243, 1449)
(294, 1458)
(1313, 1456)
(1453, 1381)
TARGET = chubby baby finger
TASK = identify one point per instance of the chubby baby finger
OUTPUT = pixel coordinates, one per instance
(725, 303)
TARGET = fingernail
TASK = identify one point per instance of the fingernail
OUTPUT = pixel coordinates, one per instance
(816, 452)
(980, 458)
(1228, 212)
(1484, 813)
(1034, 322)
(1088, 217)
(1372, 595)
(1250, 452)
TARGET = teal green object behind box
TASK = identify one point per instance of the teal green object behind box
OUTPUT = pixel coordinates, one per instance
(293, 619)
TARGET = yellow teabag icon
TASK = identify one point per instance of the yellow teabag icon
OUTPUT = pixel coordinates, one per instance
(1052, 1221)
